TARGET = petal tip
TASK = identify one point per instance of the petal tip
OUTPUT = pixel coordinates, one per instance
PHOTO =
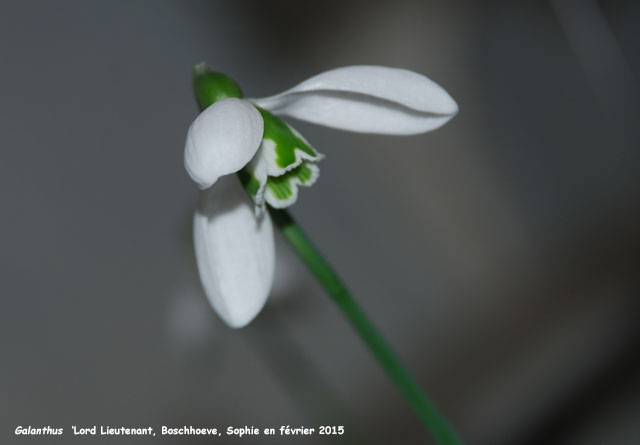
(222, 140)
(235, 252)
(241, 319)
(367, 99)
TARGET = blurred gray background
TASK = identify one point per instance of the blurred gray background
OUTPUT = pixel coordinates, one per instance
(499, 255)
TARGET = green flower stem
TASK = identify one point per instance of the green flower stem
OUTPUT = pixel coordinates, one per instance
(423, 407)
(210, 87)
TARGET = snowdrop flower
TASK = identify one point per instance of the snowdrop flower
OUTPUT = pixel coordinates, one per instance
(232, 232)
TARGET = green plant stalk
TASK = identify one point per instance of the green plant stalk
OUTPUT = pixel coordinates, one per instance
(210, 87)
(421, 404)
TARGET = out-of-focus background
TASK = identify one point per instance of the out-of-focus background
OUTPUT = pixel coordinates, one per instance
(499, 255)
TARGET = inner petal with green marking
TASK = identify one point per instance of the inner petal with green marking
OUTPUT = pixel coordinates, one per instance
(284, 161)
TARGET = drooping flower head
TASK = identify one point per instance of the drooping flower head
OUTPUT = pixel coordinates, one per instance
(232, 232)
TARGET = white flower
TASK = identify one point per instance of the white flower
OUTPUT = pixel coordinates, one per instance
(233, 235)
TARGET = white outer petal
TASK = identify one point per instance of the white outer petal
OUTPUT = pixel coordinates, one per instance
(222, 140)
(368, 99)
(235, 252)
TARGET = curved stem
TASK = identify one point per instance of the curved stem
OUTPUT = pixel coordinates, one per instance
(421, 404)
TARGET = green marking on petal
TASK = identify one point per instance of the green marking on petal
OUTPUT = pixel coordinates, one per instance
(285, 145)
(303, 173)
(280, 187)
(284, 161)
(282, 191)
